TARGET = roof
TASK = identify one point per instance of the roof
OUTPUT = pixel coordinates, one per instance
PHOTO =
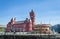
(18, 22)
(45, 24)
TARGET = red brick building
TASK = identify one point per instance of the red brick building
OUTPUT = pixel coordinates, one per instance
(27, 25)
(22, 26)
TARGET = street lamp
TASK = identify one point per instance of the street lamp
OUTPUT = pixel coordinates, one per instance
(14, 34)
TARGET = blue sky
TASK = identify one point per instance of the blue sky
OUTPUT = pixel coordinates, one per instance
(46, 11)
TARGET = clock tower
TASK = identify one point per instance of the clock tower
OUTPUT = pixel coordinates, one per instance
(32, 17)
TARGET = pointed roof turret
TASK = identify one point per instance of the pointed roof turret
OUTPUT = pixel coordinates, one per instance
(13, 19)
(32, 11)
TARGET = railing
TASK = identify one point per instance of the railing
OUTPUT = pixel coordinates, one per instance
(25, 33)
(30, 34)
(22, 33)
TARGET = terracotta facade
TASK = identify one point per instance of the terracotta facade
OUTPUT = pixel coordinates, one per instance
(21, 26)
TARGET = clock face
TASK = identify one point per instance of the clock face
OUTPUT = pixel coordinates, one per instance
(31, 16)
